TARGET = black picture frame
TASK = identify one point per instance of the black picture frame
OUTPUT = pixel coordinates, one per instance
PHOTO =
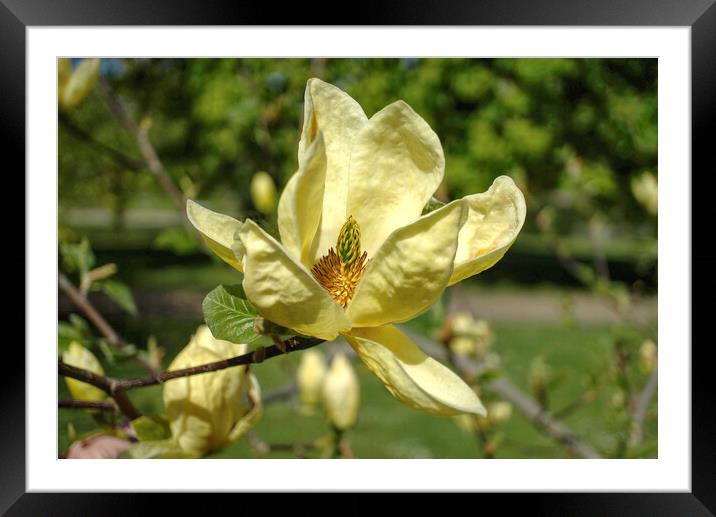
(700, 15)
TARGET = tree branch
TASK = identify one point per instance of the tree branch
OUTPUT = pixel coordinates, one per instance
(528, 406)
(89, 139)
(114, 386)
(642, 407)
(104, 405)
(145, 146)
(83, 303)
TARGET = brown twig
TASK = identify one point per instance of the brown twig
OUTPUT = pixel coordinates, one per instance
(263, 447)
(83, 303)
(642, 407)
(279, 394)
(113, 386)
(527, 405)
(145, 146)
(89, 139)
(542, 419)
(104, 405)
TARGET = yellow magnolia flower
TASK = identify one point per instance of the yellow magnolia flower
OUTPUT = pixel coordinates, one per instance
(79, 356)
(310, 375)
(208, 411)
(356, 255)
(341, 393)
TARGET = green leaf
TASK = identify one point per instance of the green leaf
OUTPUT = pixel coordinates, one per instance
(69, 332)
(77, 257)
(120, 293)
(149, 428)
(178, 240)
(229, 315)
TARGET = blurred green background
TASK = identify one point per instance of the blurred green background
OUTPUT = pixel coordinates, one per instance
(575, 297)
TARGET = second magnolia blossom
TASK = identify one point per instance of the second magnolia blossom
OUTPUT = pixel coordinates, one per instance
(356, 254)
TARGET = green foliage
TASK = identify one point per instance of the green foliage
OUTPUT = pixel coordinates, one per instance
(120, 293)
(582, 126)
(229, 315)
(77, 257)
(148, 428)
(76, 329)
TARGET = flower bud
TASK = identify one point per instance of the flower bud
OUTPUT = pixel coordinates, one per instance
(471, 338)
(646, 191)
(341, 393)
(499, 412)
(79, 356)
(466, 422)
(208, 411)
(80, 83)
(647, 356)
(263, 192)
(64, 72)
(310, 375)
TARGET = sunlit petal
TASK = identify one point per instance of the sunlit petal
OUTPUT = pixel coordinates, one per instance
(396, 164)
(410, 270)
(283, 291)
(217, 230)
(299, 209)
(411, 375)
(494, 220)
(338, 117)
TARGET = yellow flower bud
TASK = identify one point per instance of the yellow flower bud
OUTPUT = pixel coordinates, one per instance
(310, 375)
(206, 412)
(64, 72)
(341, 393)
(80, 83)
(79, 356)
(647, 356)
(646, 191)
(471, 337)
(263, 192)
(499, 412)
(466, 422)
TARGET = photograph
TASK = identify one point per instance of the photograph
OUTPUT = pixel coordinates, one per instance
(357, 258)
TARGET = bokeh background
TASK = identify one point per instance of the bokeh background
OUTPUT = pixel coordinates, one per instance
(568, 316)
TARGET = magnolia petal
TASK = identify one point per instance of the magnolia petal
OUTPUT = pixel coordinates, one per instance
(253, 415)
(412, 376)
(283, 291)
(217, 230)
(338, 117)
(299, 207)
(494, 220)
(158, 449)
(410, 270)
(396, 164)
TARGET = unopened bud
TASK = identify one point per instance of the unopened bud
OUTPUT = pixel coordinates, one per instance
(341, 393)
(79, 356)
(80, 83)
(310, 375)
(647, 356)
(263, 192)
(208, 411)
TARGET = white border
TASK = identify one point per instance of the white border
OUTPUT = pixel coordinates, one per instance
(670, 472)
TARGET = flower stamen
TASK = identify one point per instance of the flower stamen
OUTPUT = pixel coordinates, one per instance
(339, 272)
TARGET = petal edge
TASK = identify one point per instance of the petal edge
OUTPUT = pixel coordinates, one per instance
(412, 376)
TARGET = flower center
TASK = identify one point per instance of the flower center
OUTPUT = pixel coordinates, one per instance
(339, 271)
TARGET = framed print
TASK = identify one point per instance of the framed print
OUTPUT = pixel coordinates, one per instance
(390, 256)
